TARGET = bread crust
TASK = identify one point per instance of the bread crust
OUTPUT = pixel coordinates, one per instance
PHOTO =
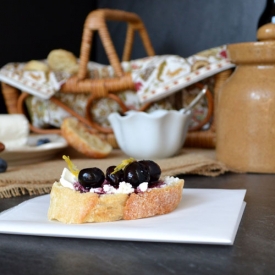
(70, 206)
(78, 136)
(157, 201)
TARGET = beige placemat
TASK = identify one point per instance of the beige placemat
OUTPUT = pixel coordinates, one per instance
(36, 179)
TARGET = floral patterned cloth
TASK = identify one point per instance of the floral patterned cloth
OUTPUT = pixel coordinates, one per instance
(159, 76)
(157, 79)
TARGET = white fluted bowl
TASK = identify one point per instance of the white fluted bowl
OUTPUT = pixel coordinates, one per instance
(155, 135)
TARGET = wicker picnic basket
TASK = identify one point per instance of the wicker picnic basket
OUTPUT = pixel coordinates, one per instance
(109, 87)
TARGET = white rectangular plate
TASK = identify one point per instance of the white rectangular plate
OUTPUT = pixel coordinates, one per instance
(204, 216)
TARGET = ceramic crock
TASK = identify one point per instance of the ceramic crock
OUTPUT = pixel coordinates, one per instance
(246, 107)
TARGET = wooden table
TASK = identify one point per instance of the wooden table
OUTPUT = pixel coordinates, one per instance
(252, 253)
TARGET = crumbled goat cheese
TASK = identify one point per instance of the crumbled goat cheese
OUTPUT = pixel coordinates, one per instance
(67, 179)
(143, 186)
(124, 188)
(170, 180)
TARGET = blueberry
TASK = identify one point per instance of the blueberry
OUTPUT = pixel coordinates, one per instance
(91, 177)
(115, 178)
(154, 170)
(3, 165)
(136, 173)
(42, 141)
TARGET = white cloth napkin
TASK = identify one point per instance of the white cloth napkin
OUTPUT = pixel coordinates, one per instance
(14, 130)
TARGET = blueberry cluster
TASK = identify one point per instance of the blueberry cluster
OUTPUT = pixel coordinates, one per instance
(134, 173)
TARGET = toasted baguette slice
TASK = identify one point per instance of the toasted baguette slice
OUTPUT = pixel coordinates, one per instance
(79, 137)
(70, 206)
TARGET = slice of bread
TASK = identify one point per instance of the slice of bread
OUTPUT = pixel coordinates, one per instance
(79, 137)
(70, 206)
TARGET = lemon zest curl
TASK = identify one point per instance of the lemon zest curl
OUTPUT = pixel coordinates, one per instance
(73, 169)
(123, 164)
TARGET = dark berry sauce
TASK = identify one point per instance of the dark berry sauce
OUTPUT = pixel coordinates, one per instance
(100, 190)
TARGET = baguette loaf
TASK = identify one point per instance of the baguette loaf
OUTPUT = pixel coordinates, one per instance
(71, 206)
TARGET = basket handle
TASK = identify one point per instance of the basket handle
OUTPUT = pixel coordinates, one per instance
(96, 21)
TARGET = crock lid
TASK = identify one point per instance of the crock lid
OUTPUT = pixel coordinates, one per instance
(259, 52)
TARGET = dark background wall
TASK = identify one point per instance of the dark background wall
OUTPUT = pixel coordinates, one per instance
(185, 27)
(30, 29)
